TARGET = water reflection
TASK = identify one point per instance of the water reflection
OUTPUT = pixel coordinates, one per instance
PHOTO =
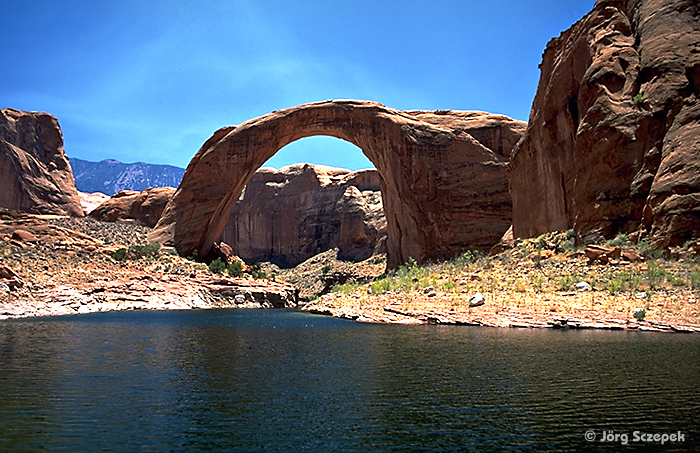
(237, 380)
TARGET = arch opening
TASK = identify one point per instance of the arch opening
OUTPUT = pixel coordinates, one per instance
(324, 150)
(303, 201)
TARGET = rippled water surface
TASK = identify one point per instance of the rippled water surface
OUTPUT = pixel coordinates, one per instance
(276, 380)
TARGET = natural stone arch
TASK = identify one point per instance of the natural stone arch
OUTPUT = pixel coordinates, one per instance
(444, 180)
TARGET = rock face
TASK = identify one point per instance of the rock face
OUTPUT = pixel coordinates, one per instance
(613, 141)
(35, 175)
(443, 174)
(289, 215)
(145, 206)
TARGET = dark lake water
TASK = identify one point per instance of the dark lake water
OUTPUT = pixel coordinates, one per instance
(278, 380)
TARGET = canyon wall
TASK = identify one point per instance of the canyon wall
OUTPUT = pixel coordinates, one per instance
(35, 175)
(289, 215)
(613, 140)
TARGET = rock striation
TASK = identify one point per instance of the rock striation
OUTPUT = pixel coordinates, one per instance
(613, 141)
(443, 174)
(145, 206)
(287, 216)
(35, 175)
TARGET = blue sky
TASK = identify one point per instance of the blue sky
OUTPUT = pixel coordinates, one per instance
(151, 80)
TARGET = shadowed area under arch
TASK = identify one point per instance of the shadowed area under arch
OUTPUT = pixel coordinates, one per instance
(444, 180)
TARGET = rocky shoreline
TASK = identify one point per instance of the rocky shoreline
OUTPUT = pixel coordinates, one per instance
(508, 317)
(54, 266)
(147, 292)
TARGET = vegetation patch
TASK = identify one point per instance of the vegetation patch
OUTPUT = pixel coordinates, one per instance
(136, 252)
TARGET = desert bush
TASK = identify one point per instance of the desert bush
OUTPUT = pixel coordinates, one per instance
(135, 252)
(235, 269)
(148, 250)
(620, 239)
(217, 266)
(120, 254)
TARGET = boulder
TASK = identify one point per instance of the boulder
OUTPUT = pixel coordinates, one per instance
(10, 279)
(145, 206)
(614, 132)
(443, 174)
(23, 236)
(506, 242)
(289, 215)
(602, 254)
(35, 175)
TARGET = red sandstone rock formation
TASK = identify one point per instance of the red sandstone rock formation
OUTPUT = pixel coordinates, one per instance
(35, 175)
(444, 182)
(613, 141)
(145, 206)
(289, 215)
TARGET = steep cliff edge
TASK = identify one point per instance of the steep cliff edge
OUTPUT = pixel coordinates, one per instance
(613, 140)
(35, 175)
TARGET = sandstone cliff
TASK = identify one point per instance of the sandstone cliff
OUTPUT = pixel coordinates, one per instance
(35, 175)
(613, 141)
(289, 215)
(145, 206)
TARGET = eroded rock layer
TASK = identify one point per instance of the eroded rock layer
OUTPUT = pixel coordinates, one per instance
(289, 215)
(444, 181)
(613, 141)
(35, 175)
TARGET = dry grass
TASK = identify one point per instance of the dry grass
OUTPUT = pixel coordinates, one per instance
(538, 276)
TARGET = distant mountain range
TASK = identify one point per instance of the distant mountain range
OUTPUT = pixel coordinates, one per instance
(110, 176)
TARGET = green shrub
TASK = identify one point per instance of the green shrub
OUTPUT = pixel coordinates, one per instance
(638, 99)
(235, 269)
(119, 255)
(695, 280)
(655, 274)
(135, 252)
(614, 285)
(148, 250)
(565, 283)
(382, 285)
(217, 266)
(620, 239)
(257, 272)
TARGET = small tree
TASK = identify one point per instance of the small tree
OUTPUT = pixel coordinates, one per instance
(217, 266)
(235, 269)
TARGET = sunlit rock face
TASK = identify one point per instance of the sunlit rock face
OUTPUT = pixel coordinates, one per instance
(613, 141)
(35, 175)
(287, 216)
(443, 174)
(145, 206)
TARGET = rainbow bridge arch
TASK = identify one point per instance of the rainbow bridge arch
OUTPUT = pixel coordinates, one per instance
(443, 173)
